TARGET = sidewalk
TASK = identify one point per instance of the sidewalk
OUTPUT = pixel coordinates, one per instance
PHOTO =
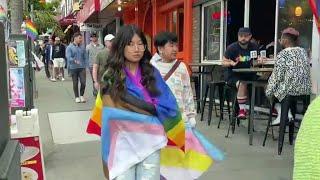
(82, 161)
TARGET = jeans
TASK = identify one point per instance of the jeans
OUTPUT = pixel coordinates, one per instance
(78, 74)
(148, 169)
(94, 91)
(46, 68)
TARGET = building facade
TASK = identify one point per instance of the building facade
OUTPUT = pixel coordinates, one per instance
(206, 27)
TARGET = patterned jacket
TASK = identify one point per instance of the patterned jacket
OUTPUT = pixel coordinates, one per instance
(291, 74)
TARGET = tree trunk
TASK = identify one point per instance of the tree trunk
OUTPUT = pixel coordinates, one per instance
(16, 7)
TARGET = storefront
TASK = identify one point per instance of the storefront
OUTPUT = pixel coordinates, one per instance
(154, 16)
(87, 19)
(110, 16)
(216, 23)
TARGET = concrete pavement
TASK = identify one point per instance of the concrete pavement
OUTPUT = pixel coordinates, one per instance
(82, 161)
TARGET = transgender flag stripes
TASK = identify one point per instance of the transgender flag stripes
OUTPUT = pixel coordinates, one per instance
(128, 138)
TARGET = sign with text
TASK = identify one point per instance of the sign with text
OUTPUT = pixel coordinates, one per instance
(90, 27)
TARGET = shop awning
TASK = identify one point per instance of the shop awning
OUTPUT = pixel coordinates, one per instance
(89, 8)
(68, 20)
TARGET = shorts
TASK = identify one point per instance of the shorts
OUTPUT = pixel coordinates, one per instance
(235, 77)
(58, 63)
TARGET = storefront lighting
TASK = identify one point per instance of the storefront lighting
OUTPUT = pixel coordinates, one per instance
(298, 11)
(119, 8)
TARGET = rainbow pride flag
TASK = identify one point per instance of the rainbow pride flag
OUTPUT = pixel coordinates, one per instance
(315, 7)
(31, 30)
(2, 13)
(185, 153)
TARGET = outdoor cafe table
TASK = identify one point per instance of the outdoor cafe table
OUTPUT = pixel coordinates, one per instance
(254, 84)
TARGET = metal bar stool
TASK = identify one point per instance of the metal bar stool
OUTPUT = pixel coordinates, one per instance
(289, 102)
(212, 87)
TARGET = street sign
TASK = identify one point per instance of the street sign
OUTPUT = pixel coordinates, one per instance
(90, 27)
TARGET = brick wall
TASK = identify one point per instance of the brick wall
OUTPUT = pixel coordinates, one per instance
(196, 34)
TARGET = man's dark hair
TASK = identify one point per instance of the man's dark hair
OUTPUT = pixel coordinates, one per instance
(293, 39)
(162, 38)
(77, 34)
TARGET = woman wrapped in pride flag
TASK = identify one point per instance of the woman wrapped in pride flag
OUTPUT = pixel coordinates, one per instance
(137, 116)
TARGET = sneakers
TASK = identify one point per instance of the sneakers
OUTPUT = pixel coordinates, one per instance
(242, 114)
(78, 100)
(53, 79)
(277, 120)
(62, 79)
(82, 99)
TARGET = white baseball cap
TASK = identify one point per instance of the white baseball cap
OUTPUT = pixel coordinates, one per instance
(108, 37)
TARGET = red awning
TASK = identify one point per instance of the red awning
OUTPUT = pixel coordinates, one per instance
(68, 20)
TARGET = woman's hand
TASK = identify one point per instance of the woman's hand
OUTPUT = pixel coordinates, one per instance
(105, 171)
(96, 85)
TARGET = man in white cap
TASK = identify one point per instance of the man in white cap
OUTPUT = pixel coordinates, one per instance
(101, 61)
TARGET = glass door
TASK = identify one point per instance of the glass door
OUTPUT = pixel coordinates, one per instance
(213, 22)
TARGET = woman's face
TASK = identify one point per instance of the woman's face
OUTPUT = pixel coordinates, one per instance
(134, 51)
(169, 51)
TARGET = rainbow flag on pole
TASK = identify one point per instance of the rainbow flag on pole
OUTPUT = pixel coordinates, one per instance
(31, 30)
(315, 7)
(2, 13)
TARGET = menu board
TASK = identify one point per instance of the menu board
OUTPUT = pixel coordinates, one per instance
(17, 87)
(31, 159)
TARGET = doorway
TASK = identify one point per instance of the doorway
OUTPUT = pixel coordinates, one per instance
(262, 21)
(235, 20)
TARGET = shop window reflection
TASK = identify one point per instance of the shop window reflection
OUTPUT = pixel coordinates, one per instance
(211, 40)
(297, 14)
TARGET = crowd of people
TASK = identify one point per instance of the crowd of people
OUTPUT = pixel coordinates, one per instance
(291, 75)
(129, 78)
(76, 58)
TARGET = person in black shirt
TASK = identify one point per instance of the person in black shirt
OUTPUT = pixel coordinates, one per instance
(237, 56)
(59, 56)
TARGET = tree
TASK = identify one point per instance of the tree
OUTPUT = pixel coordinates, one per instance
(44, 16)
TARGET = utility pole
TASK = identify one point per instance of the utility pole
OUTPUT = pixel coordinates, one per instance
(16, 7)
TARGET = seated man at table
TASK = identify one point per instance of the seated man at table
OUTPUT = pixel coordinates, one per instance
(237, 56)
(291, 73)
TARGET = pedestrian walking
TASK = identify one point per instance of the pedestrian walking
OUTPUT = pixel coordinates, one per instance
(92, 50)
(59, 55)
(78, 62)
(48, 59)
(135, 96)
(101, 61)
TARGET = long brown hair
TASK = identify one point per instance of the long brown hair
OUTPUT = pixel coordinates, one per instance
(113, 80)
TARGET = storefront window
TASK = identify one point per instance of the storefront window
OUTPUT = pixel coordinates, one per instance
(212, 31)
(296, 14)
